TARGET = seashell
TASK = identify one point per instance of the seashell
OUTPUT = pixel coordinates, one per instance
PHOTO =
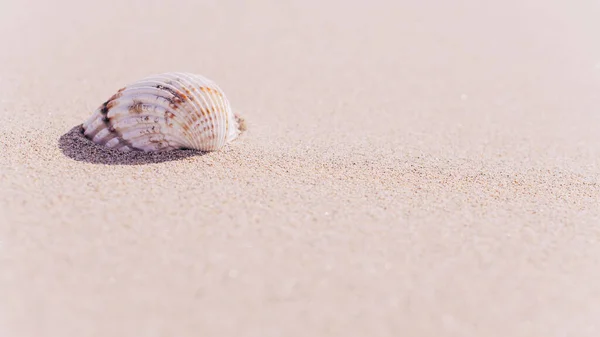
(165, 112)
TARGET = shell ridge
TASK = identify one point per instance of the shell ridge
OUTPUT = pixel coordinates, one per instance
(121, 114)
(203, 128)
(127, 111)
(230, 122)
(170, 107)
(196, 109)
(205, 88)
(208, 126)
(154, 141)
(182, 102)
(112, 132)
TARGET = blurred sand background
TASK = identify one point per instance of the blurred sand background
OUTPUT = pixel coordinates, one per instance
(411, 168)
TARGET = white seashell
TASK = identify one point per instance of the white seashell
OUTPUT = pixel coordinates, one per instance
(165, 112)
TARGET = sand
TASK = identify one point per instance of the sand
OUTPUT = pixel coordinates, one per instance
(410, 168)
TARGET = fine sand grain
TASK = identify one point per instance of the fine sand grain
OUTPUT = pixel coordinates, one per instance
(410, 168)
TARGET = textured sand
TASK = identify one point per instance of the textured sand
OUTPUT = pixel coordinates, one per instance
(411, 168)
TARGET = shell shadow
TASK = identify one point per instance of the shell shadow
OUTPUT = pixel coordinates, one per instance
(76, 146)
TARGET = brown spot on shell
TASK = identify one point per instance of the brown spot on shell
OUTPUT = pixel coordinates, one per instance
(178, 97)
(104, 108)
(169, 115)
(111, 104)
(211, 91)
(108, 123)
(137, 107)
(117, 95)
(173, 102)
(189, 94)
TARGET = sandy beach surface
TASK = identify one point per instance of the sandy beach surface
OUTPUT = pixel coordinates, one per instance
(411, 168)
